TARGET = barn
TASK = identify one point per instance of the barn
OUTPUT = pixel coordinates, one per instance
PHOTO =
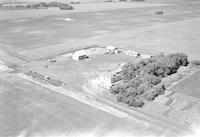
(79, 55)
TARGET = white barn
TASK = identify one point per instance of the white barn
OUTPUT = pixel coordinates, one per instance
(79, 55)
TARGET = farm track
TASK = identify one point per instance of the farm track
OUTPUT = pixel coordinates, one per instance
(110, 107)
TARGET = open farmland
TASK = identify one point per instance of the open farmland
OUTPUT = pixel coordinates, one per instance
(129, 26)
(30, 110)
(188, 86)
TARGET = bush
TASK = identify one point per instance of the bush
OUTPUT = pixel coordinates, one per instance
(118, 88)
(53, 4)
(136, 103)
(149, 96)
(61, 6)
(181, 59)
(116, 78)
(43, 4)
(159, 13)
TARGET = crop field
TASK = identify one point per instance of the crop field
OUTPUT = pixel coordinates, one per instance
(42, 33)
(29, 110)
(188, 86)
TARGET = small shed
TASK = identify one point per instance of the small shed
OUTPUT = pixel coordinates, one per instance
(112, 50)
(159, 13)
(145, 56)
(79, 55)
(132, 53)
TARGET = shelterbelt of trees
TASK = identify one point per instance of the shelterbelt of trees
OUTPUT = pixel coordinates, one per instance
(38, 5)
(141, 82)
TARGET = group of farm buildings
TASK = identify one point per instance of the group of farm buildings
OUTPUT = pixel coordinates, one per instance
(104, 81)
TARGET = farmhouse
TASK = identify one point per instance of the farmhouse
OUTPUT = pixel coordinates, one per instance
(112, 50)
(79, 55)
(105, 80)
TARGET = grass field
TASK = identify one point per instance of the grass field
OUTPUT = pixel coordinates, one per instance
(29, 110)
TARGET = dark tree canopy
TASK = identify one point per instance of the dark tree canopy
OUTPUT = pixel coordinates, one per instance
(142, 80)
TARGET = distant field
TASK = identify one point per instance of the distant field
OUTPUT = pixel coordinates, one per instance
(42, 33)
(180, 36)
(189, 86)
(67, 1)
(51, 33)
(86, 7)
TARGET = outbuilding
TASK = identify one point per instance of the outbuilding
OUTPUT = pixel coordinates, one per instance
(79, 55)
(144, 56)
(112, 50)
(132, 53)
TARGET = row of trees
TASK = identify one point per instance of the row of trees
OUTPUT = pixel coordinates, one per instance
(62, 6)
(142, 81)
(38, 5)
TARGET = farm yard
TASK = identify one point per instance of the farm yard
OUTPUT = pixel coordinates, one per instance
(75, 73)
